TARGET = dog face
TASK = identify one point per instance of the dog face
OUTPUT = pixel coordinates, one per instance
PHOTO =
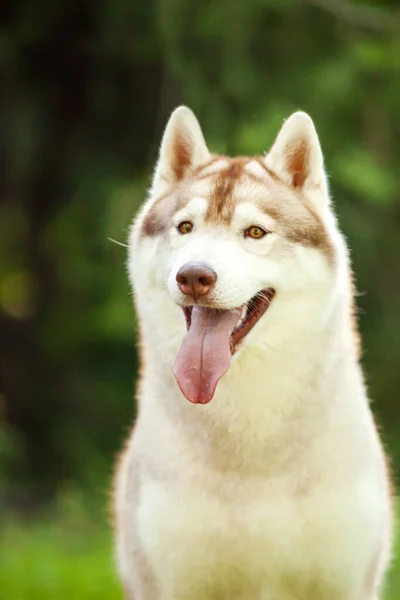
(252, 241)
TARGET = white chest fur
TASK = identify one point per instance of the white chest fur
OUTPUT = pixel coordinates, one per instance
(276, 496)
(263, 544)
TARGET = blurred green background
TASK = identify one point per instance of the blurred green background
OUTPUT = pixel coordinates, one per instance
(87, 89)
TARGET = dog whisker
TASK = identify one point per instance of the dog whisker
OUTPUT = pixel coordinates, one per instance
(118, 243)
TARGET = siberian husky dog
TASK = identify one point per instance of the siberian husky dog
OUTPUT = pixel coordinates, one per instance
(254, 470)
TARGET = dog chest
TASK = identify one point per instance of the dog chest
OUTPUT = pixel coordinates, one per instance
(294, 547)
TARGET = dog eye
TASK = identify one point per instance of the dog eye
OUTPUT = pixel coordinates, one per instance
(255, 232)
(185, 227)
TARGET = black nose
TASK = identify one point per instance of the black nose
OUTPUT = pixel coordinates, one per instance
(196, 279)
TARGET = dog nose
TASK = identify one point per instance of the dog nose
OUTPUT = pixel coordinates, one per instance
(196, 279)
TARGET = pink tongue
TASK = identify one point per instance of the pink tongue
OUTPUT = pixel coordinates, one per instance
(205, 353)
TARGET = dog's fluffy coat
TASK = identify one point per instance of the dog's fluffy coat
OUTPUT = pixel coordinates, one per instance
(277, 489)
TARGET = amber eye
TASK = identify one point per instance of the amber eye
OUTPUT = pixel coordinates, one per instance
(185, 227)
(255, 232)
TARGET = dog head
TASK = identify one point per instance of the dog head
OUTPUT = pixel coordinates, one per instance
(246, 247)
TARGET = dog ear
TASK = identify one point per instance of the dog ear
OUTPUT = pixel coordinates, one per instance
(183, 148)
(296, 157)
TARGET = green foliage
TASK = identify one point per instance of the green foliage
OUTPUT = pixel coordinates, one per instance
(67, 554)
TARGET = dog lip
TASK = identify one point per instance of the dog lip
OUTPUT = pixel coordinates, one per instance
(187, 311)
(255, 308)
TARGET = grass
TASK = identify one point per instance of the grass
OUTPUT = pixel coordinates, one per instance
(70, 558)
(65, 555)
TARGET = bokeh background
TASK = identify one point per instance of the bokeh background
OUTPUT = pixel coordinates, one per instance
(87, 89)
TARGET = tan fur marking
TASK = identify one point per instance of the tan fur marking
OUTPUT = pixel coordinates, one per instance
(158, 218)
(151, 224)
(212, 170)
(270, 172)
(182, 157)
(222, 202)
(298, 164)
(354, 315)
(160, 213)
(215, 158)
(297, 220)
(304, 227)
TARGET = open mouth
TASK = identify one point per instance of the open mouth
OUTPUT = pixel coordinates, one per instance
(251, 313)
(213, 336)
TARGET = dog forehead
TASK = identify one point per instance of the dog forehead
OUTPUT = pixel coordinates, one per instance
(242, 179)
(223, 183)
(245, 188)
(196, 205)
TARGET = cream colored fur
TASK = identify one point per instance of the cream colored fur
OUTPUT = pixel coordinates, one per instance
(277, 489)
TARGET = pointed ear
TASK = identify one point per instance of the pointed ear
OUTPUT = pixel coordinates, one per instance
(296, 157)
(183, 148)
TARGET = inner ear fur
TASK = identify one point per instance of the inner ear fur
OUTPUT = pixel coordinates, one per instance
(296, 155)
(183, 148)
